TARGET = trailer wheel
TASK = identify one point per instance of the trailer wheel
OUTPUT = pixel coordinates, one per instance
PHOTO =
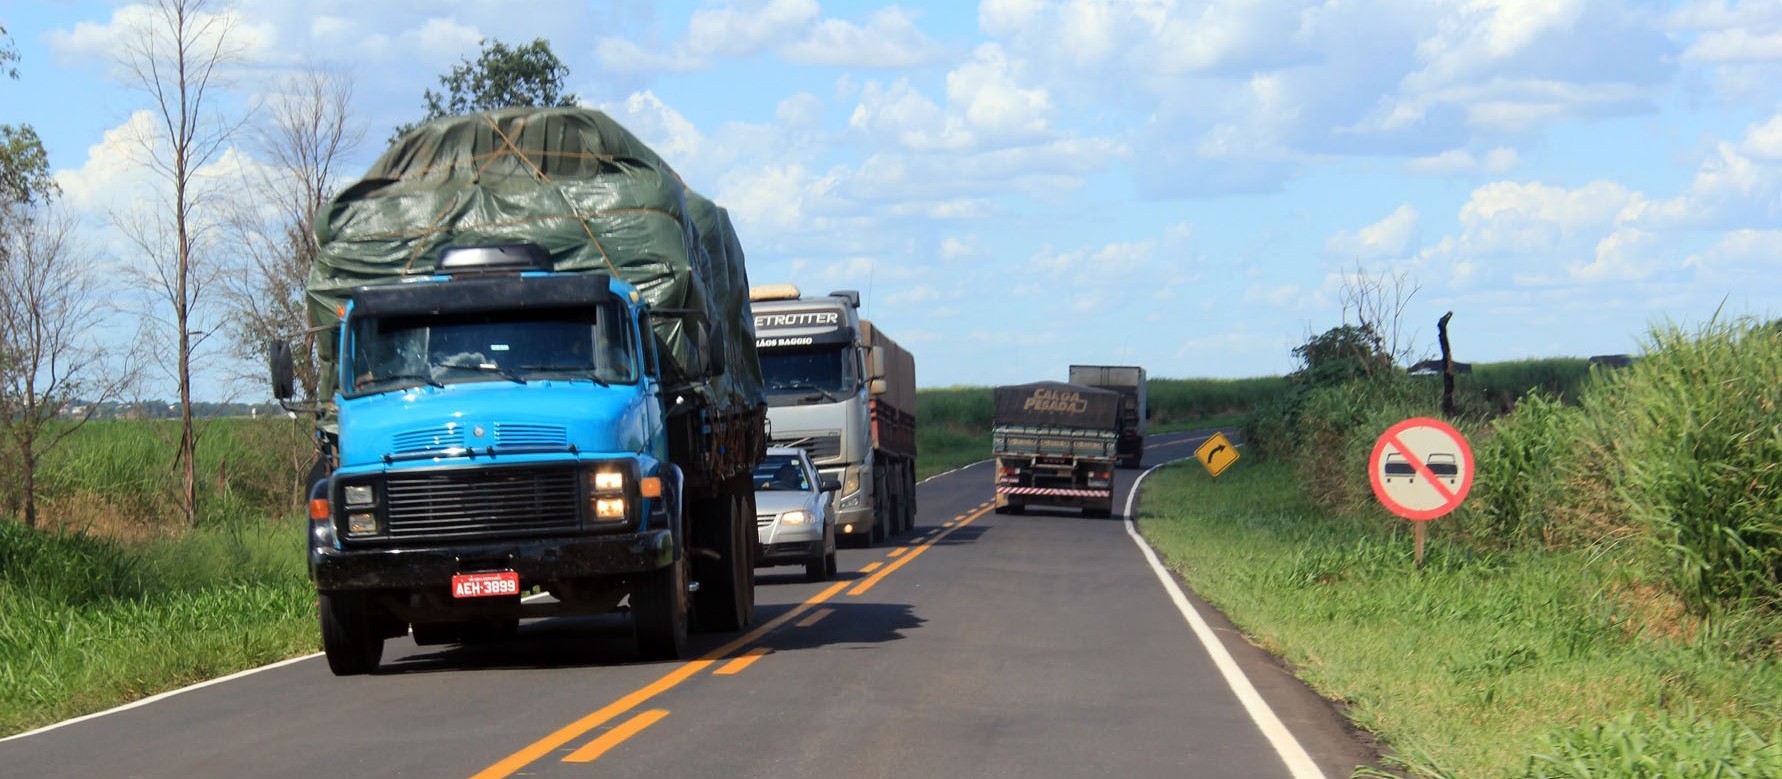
(659, 612)
(725, 601)
(352, 646)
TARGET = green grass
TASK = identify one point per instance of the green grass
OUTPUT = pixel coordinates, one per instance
(87, 624)
(1478, 663)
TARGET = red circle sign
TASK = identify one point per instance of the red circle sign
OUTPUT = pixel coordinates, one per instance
(1421, 468)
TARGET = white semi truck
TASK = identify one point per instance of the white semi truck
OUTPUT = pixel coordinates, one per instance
(842, 390)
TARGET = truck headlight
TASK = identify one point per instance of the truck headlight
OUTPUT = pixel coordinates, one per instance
(850, 481)
(609, 508)
(609, 491)
(797, 517)
(359, 495)
(361, 523)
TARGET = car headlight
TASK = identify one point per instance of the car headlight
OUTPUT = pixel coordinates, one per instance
(797, 517)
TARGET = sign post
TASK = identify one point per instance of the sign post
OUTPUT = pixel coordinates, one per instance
(1421, 469)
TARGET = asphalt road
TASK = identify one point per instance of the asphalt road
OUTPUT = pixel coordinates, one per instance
(979, 645)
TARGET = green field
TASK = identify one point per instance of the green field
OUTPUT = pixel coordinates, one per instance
(1511, 664)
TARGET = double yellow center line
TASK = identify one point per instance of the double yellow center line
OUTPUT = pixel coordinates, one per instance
(737, 662)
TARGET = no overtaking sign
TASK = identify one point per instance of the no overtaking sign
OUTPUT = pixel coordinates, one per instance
(1421, 468)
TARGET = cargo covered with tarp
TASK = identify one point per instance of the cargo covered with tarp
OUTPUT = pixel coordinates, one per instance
(573, 181)
(1056, 404)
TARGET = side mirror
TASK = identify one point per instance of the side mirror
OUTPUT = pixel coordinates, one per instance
(284, 373)
(829, 484)
(877, 387)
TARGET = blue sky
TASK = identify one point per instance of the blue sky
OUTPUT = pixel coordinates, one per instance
(1018, 185)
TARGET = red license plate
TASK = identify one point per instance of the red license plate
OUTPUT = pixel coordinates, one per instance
(486, 585)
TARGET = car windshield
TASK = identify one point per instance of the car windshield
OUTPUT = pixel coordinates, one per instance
(781, 473)
(588, 343)
(807, 375)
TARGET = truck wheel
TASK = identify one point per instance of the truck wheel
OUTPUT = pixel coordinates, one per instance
(659, 612)
(725, 601)
(347, 638)
(829, 564)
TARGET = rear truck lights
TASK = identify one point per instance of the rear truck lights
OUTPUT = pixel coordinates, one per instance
(797, 517)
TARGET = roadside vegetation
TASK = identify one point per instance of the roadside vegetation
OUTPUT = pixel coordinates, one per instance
(1607, 603)
(113, 598)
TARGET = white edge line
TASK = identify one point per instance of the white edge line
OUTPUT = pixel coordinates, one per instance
(954, 471)
(1299, 763)
(161, 696)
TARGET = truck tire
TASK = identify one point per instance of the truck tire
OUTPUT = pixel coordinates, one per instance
(910, 480)
(352, 645)
(659, 612)
(725, 601)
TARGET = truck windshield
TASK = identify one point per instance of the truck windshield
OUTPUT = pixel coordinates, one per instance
(796, 376)
(589, 343)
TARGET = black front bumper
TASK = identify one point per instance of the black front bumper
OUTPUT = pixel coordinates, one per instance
(537, 561)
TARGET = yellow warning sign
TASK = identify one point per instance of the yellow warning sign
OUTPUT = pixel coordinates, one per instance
(1216, 454)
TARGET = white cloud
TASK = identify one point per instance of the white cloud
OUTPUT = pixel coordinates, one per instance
(1741, 255)
(1394, 236)
(889, 39)
(1455, 162)
(1534, 234)
(1764, 140)
(618, 55)
(130, 25)
(730, 31)
(1735, 46)
(1729, 190)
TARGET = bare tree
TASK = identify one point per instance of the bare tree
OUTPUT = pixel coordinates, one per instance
(309, 132)
(54, 368)
(1378, 302)
(175, 59)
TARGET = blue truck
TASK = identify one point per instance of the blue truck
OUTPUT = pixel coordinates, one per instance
(539, 379)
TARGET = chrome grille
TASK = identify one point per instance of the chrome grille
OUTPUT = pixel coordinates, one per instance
(820, 447)
(470, 503)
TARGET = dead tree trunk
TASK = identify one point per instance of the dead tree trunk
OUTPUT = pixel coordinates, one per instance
(1448, 409)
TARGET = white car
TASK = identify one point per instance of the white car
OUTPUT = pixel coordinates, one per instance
(795, 512)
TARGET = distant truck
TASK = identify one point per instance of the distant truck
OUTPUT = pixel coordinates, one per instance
(539, 374)
(1055, 445)
(842, 390)
(1129, 381)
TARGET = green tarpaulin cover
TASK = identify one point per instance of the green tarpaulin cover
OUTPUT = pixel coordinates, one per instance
(574, 182)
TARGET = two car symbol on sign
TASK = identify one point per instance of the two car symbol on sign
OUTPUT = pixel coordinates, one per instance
(1442, 464)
